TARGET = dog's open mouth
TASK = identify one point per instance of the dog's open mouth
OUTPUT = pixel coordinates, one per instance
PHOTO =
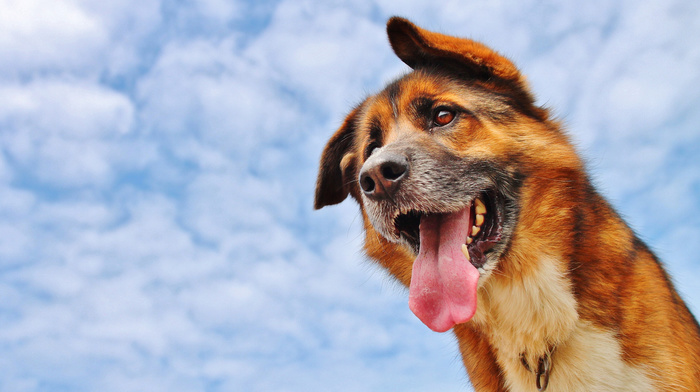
(483, 228)
(451, 249)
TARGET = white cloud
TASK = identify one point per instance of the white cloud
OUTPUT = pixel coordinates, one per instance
(78, 37)
(65, 132)
(157, 171)
(209, 90)
(38, 36)
(327, 54)
(15, 233)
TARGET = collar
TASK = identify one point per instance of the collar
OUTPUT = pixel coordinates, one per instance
(544, 368)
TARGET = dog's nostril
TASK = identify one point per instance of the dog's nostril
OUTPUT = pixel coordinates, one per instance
(367, 183)
(392, 171)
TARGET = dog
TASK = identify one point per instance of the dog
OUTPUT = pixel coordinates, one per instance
(473, 197)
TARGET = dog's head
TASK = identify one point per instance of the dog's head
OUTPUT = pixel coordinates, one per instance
(436, 162)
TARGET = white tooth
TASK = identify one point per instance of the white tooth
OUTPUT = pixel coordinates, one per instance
(479, 206)
(475, 230)
(479, 219)
(465, 251)
(469, 240)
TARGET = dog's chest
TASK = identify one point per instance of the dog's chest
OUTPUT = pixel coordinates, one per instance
(535, 315)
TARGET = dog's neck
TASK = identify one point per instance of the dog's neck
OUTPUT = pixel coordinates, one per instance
(525, 316)
(527, 313)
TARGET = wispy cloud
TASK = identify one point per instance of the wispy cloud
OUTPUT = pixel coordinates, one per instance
(158, 163)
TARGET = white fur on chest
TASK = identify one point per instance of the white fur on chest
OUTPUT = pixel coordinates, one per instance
(532, 314)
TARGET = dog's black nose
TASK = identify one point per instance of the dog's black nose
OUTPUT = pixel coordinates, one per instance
(381, 175)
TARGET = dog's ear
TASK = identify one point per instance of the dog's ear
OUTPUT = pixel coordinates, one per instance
(333, 183)
(418, 47)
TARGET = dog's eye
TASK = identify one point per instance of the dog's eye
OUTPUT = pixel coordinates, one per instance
(443, 116)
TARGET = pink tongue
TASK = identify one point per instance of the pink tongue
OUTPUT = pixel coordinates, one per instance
(443, 284)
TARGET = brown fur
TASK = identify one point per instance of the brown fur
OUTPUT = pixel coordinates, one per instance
(572, 276)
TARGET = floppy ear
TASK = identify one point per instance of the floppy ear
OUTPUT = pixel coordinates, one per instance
(418, 47)
(332, 185)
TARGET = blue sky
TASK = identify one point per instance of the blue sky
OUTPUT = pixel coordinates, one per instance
(158, 161)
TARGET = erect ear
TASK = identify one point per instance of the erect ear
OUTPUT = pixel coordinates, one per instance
(418, 47)
(332, 185)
